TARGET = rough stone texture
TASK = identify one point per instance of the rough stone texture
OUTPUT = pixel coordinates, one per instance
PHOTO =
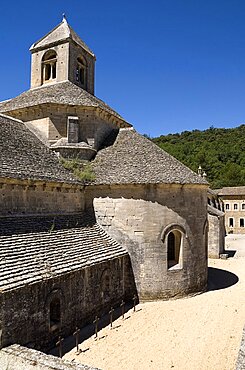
(20, 197)
(140, 217)
(79, 150)
(133, 159)
(35, 249)
(216, 232)
(57, 93)
(23, 156)
(83, 293)
(94, 126)
(16, 357)
(241, 356)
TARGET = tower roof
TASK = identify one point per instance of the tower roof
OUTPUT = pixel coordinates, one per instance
(62, 32)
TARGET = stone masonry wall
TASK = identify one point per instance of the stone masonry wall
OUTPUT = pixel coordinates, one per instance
(51, 122)
(75, 52)
(30, 198)
(62, 52)
(83, 294)
(137, 216)
(216, 236)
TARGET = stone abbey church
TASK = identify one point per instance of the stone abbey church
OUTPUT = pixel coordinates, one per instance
(69, 249)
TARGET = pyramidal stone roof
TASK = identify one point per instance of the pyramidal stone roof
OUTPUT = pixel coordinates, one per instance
(24, 156)
(38, 248)
(58, 93)
(62, 32)
(133, 159)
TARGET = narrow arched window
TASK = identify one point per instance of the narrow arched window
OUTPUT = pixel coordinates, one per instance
(54, 314)
(81, 72)
(49, 66)
(174, 244)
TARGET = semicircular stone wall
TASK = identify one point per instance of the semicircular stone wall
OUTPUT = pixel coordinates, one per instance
(141, 217)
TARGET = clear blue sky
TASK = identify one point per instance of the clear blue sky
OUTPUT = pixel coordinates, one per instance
(165, 65)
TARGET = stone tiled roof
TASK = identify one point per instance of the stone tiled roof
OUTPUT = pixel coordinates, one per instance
(133, 159)
(37, 248)
(233, 190)
(60, 33)
(57, 93)
(23, 156)
(23, 358)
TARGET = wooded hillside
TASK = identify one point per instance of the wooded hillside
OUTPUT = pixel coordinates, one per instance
(220, 152)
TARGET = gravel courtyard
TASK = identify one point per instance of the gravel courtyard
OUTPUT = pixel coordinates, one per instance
(197, 333)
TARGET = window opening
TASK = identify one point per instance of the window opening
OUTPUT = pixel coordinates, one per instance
(227, 207)
(231, 222)
(235, 206)
(243, 206)
(49, 63)
(241, 222)
(174, 247)
(81, 71)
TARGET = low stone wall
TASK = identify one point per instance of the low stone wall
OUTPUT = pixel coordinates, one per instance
(19, 197)
(241, 355)
(22, 358)
(25, 313)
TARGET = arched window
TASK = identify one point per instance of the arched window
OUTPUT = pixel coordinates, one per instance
(81, 72)
(49, 62)
(174, 246)
(54, 314)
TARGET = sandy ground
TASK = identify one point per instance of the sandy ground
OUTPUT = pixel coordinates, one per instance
(197, 333)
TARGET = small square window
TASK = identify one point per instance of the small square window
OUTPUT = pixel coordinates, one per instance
(227, 207)
(235, 206)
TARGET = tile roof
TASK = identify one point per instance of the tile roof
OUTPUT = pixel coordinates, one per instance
(61, 32)
(19, 357)
(37, 248)
(133, 159)
(24, 156)
(232, 190)
(57, 93)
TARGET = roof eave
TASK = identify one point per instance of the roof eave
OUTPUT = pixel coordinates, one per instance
(35, 48)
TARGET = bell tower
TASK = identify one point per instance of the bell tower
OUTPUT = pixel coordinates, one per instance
(60, 56)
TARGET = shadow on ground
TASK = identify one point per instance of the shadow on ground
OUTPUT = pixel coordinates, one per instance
(220, 279)
(231, 253)
(88, 331)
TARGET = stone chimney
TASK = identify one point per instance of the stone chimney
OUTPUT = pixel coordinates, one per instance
(72, 129)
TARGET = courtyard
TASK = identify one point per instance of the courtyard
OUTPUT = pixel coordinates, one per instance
(201, 332)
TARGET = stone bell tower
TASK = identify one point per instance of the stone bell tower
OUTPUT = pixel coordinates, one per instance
(60, 56)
